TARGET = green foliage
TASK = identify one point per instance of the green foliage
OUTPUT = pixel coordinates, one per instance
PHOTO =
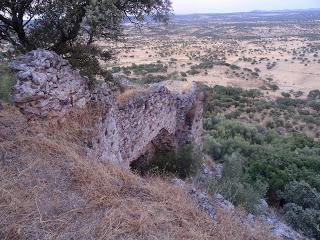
(232, 186)
(274, 87)
(266, 157)
(184, 163)
(305, 220)
(302, 194)
(58, 24)
(291, 114)
(149, 79)
(234, 67)
(193, 71)
(302, 209)
(84, 58)
(70, 27)
(144, 69)
(260, 163)
(289, 102)
(315, 105)
(314, 94)
(7, 81)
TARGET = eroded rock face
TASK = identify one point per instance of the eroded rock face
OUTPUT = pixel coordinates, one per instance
(47, 85)
(158, 116)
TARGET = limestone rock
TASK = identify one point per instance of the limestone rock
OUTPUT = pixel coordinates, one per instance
(133, 124)
(223, 204)
(278, 227)
(204, 202)
(144, 120)
(47, 85)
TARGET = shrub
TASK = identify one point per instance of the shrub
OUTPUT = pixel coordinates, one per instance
(234, 67)
(315, 105)
(116, 69)
(144, 69)
(85, 59)
(193, 72)
(284, 103)
(212, 147)
(274, 87)
(302, 194)
(183, 74)
(233, 115)
(305, 220)
(268, 157)
(184, 163)
(314, 94)
(270, 124)
(7, 81)
(232, 186)
(286, 95)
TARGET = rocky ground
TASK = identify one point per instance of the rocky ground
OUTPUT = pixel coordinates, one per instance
(212, 204)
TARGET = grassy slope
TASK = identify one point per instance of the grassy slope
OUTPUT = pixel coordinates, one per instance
(50, 190)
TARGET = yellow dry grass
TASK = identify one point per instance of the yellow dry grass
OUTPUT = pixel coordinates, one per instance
(49, 189)
(124, 97)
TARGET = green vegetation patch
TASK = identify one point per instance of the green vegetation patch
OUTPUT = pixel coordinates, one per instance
(143, 69)
(7, 81)
(259, 162)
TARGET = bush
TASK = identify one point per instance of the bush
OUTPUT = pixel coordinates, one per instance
(315, 105)
(302, 194)
(85, 59)
(183, 74)
(257, 158)
(184, 163)
(284, 103)
(268, 157)
(274, 87)
(193, 72)
(270, 124)
(233, 115)
(233, 188)
(144, 69)
(7, 81)
(116, 69)
(305, 220)
(286, 95)
(314, 94)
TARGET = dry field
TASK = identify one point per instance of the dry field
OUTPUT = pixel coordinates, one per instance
(275, 52)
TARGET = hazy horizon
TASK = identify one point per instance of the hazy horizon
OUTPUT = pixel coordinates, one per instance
(229, 6)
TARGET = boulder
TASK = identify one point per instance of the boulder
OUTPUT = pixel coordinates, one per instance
(47, 85)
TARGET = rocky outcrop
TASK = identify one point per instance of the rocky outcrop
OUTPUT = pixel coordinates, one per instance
(141, 121)
(47, 85)
(209, 204)
(134, 124)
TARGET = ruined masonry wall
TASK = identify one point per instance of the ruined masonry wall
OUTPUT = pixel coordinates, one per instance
(48, 87)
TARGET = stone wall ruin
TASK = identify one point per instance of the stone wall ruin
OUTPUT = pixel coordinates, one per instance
(167, 115)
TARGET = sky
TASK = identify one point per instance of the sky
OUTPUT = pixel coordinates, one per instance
(223, 6)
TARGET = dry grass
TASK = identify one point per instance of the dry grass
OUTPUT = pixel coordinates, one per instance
(123, 98)
(49, 189)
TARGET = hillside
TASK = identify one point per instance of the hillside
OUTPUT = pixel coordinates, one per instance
(71, 158)
(51, 190)
(120, 120)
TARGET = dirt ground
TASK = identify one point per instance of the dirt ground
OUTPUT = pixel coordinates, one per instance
(282, 48)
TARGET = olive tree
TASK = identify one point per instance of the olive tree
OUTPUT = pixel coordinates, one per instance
(70, 27)
(55, 24)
